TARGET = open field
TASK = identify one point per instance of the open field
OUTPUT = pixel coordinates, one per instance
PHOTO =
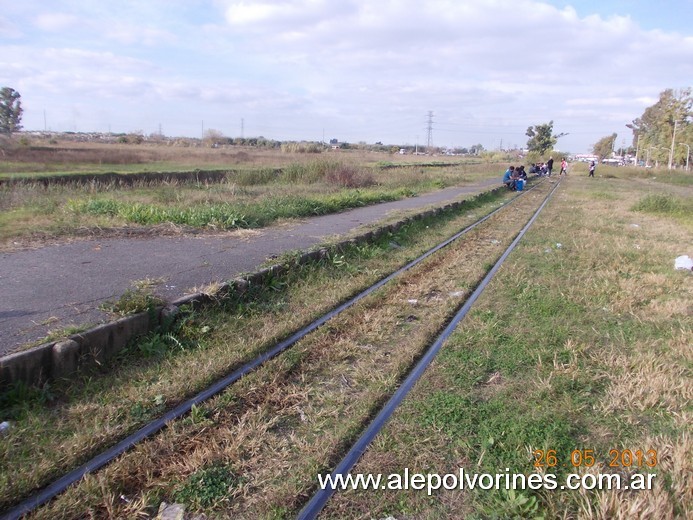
(581, 342)
(257, 189)
(43, 158)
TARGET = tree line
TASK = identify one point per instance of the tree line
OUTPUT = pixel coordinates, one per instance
(668, 122)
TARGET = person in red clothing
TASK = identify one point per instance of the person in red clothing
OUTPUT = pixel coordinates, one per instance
(564, 167)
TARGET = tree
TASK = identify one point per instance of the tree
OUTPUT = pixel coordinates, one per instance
(10, 111)
(604, 146)
(541, 138)
(213, 138)
(654, 130)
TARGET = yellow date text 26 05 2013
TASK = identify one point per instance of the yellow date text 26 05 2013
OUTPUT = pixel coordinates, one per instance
(617, 458)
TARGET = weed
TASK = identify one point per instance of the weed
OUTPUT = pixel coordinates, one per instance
(18, 397)
(663, 204)
(147, 284)
(350, 177)
(58, 334)
(197, 414)
(255, 177)
(207, 487)
(133, 301)
(157, 344)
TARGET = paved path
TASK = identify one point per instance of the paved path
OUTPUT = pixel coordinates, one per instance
(61, 285)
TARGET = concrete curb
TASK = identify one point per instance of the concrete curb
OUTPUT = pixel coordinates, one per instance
(65, 357)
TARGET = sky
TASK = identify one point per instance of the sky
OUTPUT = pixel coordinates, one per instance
(352, 70)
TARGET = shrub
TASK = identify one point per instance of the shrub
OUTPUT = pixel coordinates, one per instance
(302, 147)
(349, 177)
(661, 203)
(255, 177)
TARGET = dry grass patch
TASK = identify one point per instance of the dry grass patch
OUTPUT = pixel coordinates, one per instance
(672, 499)
(646, 380)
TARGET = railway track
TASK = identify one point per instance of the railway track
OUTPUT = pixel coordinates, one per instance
(322, 495)
(314, 505)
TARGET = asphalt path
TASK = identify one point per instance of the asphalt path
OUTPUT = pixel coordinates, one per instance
(62, 285)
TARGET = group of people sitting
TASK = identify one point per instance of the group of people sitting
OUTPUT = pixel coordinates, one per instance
(515, 178)
(546, 169)
(540, 169)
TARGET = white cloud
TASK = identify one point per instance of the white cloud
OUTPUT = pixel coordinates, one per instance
(55, 22)
(363, 68)
(127, 34)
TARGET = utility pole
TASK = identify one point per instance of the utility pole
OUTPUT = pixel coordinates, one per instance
(242, 125)
(688, 153)
(429, 129)
(673, 142)
(637, 150)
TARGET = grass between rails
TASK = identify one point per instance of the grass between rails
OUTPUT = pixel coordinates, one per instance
(264, 439)
(582, 346)
(163, 368)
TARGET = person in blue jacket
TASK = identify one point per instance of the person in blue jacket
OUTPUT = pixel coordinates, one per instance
(509, 178)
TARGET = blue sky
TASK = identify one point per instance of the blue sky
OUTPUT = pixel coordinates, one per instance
(355, 70)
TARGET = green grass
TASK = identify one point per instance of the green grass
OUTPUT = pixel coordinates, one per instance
(664, 204)
(233, 216)
(248, 197)
(207, 487)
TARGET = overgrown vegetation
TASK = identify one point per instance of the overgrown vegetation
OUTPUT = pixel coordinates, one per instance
(244, 198)
(207, 488)
(229, 216)
(138, 298)
(664, 204)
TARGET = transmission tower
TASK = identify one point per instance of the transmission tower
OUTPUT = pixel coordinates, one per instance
(429, 130)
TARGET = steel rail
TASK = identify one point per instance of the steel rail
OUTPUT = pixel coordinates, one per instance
(317, 502)
(62, 483)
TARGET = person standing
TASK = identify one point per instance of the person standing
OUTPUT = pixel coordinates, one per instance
(592, 168)
(564, 167)
(549, 165)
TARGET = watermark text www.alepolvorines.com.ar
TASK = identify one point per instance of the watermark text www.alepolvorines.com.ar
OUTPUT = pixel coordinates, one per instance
(462, 480)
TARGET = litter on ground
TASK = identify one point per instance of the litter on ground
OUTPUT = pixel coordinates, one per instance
(684, 262)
